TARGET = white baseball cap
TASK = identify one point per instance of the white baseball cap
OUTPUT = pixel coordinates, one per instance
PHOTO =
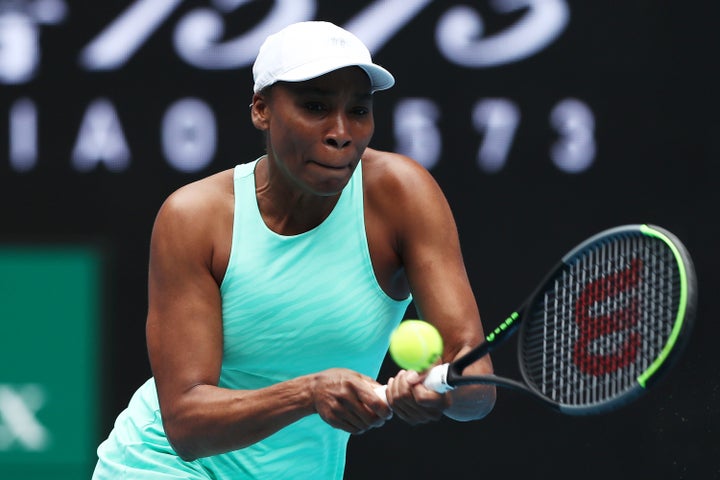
(307, 50)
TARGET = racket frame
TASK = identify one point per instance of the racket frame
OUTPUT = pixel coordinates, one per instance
(450, 375)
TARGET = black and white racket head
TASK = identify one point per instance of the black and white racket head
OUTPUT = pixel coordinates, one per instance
(608, 319)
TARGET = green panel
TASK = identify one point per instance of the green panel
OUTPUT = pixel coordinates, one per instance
(49, 387)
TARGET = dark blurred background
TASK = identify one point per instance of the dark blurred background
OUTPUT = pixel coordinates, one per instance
(545, 121)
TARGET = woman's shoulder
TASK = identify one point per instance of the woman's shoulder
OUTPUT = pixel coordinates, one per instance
(392, 174)
(388, 160)
(204, 193)
(199, 202)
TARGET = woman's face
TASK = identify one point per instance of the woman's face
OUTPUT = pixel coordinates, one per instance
(317, 130)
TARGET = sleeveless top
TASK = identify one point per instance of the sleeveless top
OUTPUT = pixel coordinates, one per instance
(292, 305)
(295, 305)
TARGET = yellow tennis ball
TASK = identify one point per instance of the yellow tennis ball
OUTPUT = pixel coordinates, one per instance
(415, 345)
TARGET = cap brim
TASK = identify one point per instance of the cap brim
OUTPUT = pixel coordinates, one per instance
(380, 78)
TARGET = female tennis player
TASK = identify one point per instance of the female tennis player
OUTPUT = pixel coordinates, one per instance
(274, 286)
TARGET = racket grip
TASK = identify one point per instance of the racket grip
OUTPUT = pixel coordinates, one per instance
(436, 379)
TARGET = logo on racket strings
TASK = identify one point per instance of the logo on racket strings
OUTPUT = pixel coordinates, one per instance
(606, 341)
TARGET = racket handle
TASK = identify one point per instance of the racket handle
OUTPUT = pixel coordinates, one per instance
(436, 381)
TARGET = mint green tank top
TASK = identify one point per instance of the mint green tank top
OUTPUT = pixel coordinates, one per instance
(294, 305)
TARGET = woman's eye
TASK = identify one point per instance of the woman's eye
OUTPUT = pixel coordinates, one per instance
(314, 107)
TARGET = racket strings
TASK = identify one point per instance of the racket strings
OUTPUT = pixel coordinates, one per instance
(602, 321)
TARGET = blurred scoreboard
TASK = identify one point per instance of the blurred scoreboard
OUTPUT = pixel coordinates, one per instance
(104, 86)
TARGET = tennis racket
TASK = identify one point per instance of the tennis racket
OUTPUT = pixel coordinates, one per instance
(601, 328)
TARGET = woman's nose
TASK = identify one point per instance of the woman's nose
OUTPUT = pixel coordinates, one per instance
(338, 135)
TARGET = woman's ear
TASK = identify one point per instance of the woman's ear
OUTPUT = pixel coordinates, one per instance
(259, 111)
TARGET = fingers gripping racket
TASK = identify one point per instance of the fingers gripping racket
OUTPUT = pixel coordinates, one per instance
(603, 325)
